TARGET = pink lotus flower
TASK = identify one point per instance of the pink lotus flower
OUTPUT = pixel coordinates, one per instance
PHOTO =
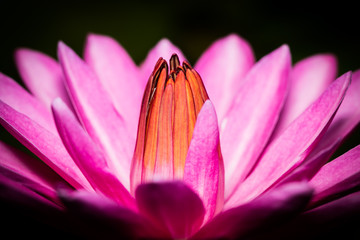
(256, 164)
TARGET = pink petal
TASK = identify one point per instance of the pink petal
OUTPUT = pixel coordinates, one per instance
(14, 191)
(345, 120)
(20, 100)
(271, 209)
(172, 206)
(223, 67)
(337, 219)
(42, 75)
(105, 219)
(204, 170)
(38, 188)
(252, 117)
(44, 144)
(336, 213)
(88, 156)
(30, 168)
(294, 144)
(97, 113)
(118, 74)
(309, 79)
(337, 177)
(164, 48)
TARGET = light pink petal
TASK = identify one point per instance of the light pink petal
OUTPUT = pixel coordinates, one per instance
(20, 100)
(253, 115)
(42, 75)
(337, 177)
(44, 144)
(164, 48)
(88, 156)
(204, 170)
(97, 113)
(223, 67)
(308, 168)
(345, 120)
(172, 206)
(309, 79)
(104, 218)
(18, 162)
(294, 144)
(271, 209)
(118, 74)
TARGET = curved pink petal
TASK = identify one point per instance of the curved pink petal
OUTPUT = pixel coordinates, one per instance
(44, 144)
(308, 168)
(164, 48)
(18, 162)
(204, 170)
(294, 144)
(103, 218)
(223, 67)
(42, 75)
(38, 188)
(337, 177)
(20, 100)
(172, 206)
(118, 74)
(271, 209)
(16, 191)
(97, 113)
(88, 156)
(309, 79)
(249, 123)
(345, 120)
(336, 219)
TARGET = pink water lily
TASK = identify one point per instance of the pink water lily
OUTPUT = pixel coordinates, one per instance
(226, 149)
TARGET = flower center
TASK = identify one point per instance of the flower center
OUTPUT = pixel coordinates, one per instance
(170, 105)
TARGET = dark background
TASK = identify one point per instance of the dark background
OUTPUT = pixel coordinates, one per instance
(308, 27)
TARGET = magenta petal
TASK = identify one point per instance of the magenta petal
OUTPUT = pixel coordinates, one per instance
(88, 156)
(271, 209)
(294, 144)
(14, 190)
(249, 123)
(38, 188)
(172, 206)
(47, 146)
(337, 219)
(103, 218)
(164, 48)
(16, 162)
(309, 79)
(118, 74)
(42, 75)
(20, 100)
(97, 113)
(204, 170)
(223, 67)
(338, 177)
